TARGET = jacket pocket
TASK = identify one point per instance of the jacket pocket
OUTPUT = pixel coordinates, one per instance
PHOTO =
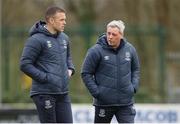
(107, 95)
(54, 79)
(128, 91)
(65, 81)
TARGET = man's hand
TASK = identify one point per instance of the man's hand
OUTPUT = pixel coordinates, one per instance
(69, 72)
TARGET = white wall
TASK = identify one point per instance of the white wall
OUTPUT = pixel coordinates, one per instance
(146, 113)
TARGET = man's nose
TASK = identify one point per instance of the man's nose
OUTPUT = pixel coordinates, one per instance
(110, 36)
(64, 22)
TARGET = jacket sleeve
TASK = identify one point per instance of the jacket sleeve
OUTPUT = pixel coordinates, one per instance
(88, 70)
(69, 60)
(135, 70)
(29, 56)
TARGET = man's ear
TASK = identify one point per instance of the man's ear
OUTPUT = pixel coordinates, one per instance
(51, 20)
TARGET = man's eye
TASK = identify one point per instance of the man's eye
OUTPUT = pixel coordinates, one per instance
(110, 33)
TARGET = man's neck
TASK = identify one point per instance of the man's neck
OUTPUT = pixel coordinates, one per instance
(50, 29)
(115, 47)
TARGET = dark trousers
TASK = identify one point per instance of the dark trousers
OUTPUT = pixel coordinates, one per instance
(53, 108)
(125, 114)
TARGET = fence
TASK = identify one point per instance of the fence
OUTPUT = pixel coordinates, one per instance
(149, 42)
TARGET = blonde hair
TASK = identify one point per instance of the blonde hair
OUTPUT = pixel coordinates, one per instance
(117, 23)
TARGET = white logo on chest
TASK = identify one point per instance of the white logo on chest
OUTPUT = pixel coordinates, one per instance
(106, 57)
(49, 44)
(65, 44)
(127, 56)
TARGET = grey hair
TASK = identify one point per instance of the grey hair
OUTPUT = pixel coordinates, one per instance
(117, 23)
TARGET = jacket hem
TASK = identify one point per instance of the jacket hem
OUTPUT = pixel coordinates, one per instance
(94, 104)
(38, 93)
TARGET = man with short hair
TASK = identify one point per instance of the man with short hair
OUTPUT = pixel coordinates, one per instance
(46, 59)
(111, 73)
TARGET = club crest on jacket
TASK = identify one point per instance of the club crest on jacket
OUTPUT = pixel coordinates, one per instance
(49, 44)
(127, 56)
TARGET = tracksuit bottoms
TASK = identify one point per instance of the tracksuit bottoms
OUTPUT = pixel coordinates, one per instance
(53, 108)
(123, 114)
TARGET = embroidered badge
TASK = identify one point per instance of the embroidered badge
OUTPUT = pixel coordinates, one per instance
(48, 104)
(106, 57)
(49, 44)
(102, 113)
(65, 44)
(127, 56)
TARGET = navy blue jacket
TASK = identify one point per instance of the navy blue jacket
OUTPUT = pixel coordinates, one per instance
(46, 59)
(111, 76)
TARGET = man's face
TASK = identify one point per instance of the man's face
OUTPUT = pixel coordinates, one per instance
(59, 21)
(113, 36)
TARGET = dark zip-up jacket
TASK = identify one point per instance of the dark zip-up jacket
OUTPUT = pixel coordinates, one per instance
(111, 76)
(46, 59)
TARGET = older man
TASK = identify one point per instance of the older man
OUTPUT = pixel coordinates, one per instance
(111, 74)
